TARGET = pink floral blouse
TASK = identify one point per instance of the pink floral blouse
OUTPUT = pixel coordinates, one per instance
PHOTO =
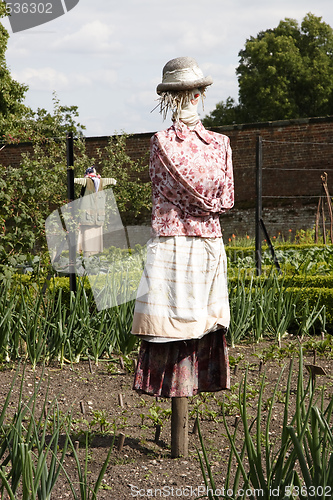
(192, 181)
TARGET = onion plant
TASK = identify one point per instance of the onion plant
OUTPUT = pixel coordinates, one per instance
(241, 310)
(87, 491)
(45, 323)
(281, 312)
(312, 438)
(7, 306)
(31, 456)
(33, 323)
(298, 465)
(30, 462)
(310, 316)
(259, 321)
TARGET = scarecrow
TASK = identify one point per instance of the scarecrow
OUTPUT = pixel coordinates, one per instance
(182, 310)
(92, 211)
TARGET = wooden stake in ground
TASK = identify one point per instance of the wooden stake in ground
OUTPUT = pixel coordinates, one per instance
(179, 427)
(321, 209)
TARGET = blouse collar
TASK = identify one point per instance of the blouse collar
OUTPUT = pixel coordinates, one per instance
(183, 131)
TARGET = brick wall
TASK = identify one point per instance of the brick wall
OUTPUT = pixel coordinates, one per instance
(295, 154)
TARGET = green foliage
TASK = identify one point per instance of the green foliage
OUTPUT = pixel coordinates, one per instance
(29, 193)
(41, 319)
(284, 73)
(271, 307)
(287, 72)
(132, 191)
(12, 93)
(36, 126)
(296, 259)
(225, 113)
(241, 310)
(298, 301)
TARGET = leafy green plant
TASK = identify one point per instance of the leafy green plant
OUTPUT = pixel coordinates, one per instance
(158, 415)
(100, 419)
(28, 193)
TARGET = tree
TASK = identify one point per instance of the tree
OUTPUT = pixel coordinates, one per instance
(225, 113)
(133, 189)
(12, 93)
(39, 125)
(30, 192)
(286, 72)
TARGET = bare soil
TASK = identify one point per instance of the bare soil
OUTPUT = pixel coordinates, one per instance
(104, 394)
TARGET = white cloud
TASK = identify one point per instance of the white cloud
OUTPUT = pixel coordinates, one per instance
(93, 37)
(42, 79)
(49, 79)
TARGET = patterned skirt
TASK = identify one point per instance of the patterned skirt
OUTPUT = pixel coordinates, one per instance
(183, 368)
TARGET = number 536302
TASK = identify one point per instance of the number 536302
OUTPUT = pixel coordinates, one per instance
(29, 8)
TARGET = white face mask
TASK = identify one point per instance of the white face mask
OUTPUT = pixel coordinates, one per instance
(189, 112)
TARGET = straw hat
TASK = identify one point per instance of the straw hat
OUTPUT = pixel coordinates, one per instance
(182, 73)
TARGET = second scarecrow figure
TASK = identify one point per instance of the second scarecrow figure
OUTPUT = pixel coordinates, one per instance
(92, 211)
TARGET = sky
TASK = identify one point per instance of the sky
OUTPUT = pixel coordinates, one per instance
(106, 57)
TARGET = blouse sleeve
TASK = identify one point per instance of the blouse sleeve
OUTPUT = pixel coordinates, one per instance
(176, 189)
(227, 198)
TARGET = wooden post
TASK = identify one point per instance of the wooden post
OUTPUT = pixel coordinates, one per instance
(195, 426)
(179, 427)
(157, 433)
(121, 441)
(83, 411)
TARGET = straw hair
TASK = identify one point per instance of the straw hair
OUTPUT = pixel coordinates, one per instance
(175, 101)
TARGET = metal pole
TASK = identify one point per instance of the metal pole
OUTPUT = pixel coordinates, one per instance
(275, 260)
(70, 195)
(258, 203)
(70, 166)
